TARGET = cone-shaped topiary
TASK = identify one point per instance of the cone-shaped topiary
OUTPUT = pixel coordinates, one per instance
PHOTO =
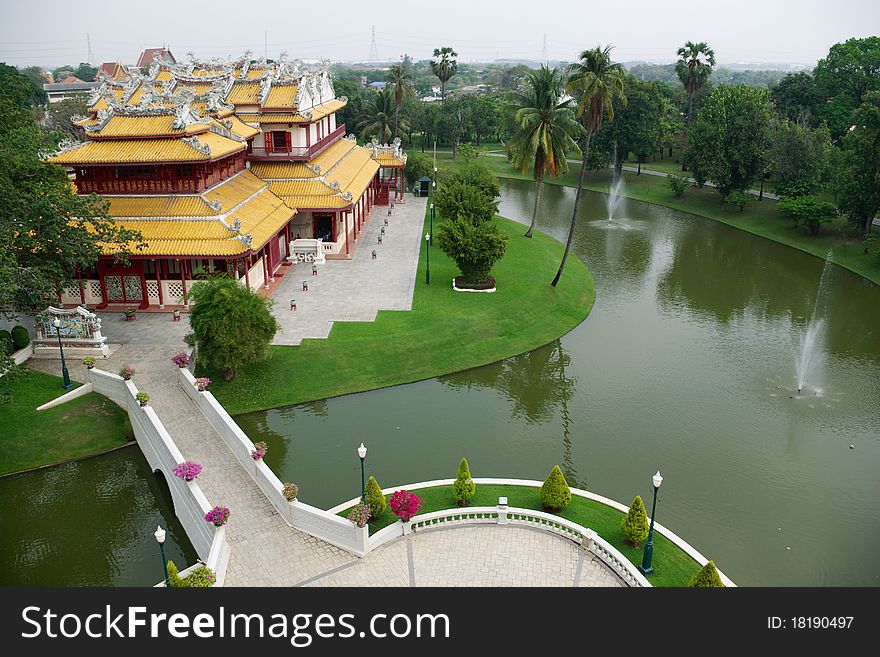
(707, 577)
(555, 493)
(375, 498)
(464, 487)
(635, 525)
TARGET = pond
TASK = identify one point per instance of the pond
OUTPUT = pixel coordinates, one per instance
(89, 523)
(687, 365)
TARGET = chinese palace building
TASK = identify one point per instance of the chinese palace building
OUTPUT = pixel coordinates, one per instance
(237, 167)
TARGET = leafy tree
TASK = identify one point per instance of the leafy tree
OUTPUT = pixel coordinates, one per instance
(635, 525)
(484, 117)
(852, 67)
(454, 122)
(232, 326)
(693, 68)
(476, 174)
(401, 88)
(86, 72)
(555, 494)
(60, 115)
(463, 488)
(796, 98)
(475, 247)
(638, 123)
(460, 199)
(738, 199)
(707, 577)
(58, 74)
(678, 184)
(730, 137)
(32, 81)
(799, 158)
(444, 66)
(375, 499)
(468, 152)
(47, 231)
(10, 373)
(858, 183)
(544, 129)
(809, 211)
(417, 166)
(357, 100)
(377, 120)
(595, 81)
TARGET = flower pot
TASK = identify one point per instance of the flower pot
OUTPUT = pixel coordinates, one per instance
(90, 367)
(188, 478)
(142, 403)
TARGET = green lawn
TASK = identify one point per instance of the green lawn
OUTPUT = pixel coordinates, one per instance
(759, 217)
(672, 566)
(445, 332)
(82, 427)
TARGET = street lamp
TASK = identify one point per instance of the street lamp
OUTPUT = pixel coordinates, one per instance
(432, 225)
(160, 539)
(427, 259)
(649, 546)
(362, 452)
(67, 384)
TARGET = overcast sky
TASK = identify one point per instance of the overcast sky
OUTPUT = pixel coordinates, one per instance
(53, 32)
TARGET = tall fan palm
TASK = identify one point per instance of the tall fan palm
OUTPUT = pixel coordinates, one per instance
(694, 66)
(544, 128)
(401, 88)
(444, 68)
(377, 120)
(596, 82)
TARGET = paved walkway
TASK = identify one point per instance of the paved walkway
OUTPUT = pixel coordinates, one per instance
(476, 555)
(355, 290)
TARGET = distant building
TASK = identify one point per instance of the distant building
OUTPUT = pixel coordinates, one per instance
(70, 87)
(113, 70)
(162, 55)
(377, 85)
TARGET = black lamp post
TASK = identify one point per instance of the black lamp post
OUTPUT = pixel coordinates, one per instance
(427, 259)
(649, 546)
(362, 452)
(432, 225)
(65, 375)
(160, 539)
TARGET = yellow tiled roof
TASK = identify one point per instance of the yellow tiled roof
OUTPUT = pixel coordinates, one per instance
(388, 160)
(158, 206)
(99, 105)
(329, 107)
(240, 128)
(235, 190)
(317, 113)
(244, 93)
(136, 96)
(281, 117)
(268, 170)
(145, 126)
(333, 153)
(147, 150)
(163, 76)
(199, 88)
(281, 95)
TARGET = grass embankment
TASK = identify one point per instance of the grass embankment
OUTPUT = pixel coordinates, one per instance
(85, 426)
(672, 566)
(761, 218)
(445, 331)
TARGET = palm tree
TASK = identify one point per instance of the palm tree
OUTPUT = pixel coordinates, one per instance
(596, 82)
(401, 88)
(376, 121)
(544, 128)
(444, 68)
(694, 66)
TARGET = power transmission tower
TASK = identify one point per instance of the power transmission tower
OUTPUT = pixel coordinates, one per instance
(89, 57)
(544, 52)
(374, 53)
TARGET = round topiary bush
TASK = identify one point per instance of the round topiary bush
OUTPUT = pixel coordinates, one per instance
(20, 337)
(635, 524)
(375, 499)
(6, 344)
(464, 487)
(555, 493)
(707, 578)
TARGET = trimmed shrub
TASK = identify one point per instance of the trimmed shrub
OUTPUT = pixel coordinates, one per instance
(6, 344)
(375, 499)
(464, 487)
(20, 337)
(199, 577)
(635, 524)
(555, 493)
(738, 199)
(707, 577)
(678, 184)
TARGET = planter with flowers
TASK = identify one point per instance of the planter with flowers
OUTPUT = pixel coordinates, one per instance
(89, 362)
(130, 313)
(127, 372)
(188, 470)
(218, 516)
(359, 514)
(289, 491)
(142, 398)
(405, 505)
(202, 383)
(259, 450)
(181, 360)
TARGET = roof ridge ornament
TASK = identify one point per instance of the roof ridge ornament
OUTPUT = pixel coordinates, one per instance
(196, 143)
(63, 147)
(314, 168)
(218, 208)
(247, 239)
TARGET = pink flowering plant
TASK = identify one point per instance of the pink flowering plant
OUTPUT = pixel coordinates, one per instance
(188, 470)
(202, 383)
(181, 359)
(127, 372)
(359, 514)
(259, 450)
(405, 504)
(218, 515)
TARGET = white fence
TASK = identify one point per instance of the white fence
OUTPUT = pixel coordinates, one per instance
(319, 523)
(190, 503)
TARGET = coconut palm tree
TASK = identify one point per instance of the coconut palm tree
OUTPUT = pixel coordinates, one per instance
(595, 81)
(401, 88)
(444, 68)
(377, 120)
(544, 128)
(694, 66)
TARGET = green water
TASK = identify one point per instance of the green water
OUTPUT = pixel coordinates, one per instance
(88, 523)
(686, 364)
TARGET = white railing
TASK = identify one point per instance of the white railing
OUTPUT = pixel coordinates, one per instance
(308, 250)
(314, 521)
(162, 454)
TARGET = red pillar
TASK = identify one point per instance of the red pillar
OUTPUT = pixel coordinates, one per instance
(247, 278)
(159, 282)
(265, 270)
(183, 281)
(335, 223)
(347, 236)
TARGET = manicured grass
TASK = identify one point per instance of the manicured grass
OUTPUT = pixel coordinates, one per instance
(445, 331)
(759, 217)
(672, 566)
(30, 438)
